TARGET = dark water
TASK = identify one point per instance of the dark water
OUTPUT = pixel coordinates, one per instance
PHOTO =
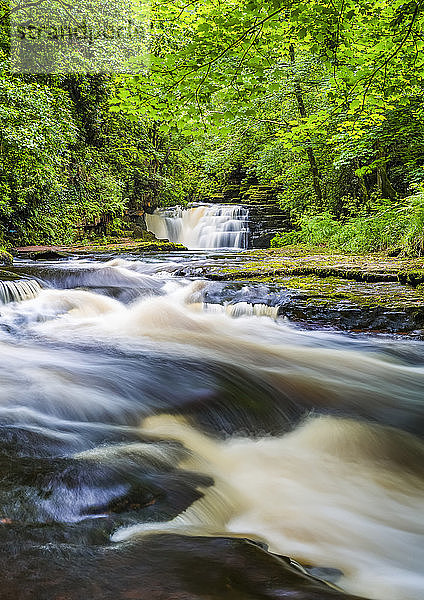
(168, 437)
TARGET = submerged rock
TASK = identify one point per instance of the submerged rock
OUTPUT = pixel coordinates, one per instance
(118, 486)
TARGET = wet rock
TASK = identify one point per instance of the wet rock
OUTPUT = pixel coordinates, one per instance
(90, 532)
(158, 567)
(265, 222)
(120, 484)
(326, 573)
(47, 255)
(8, 276)
(386, 307)
(241, 404)
(6, 258)
(353, 295)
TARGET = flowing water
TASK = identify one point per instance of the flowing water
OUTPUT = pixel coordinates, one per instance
(202, 226)
(145, 410)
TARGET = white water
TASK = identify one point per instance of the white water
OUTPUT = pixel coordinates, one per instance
(203, 226)
(23, 289)
(335, 492)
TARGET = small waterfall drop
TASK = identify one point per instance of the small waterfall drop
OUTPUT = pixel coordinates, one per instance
(16, 291)
(202, 226)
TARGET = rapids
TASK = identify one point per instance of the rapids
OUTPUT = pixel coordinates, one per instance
(137, 403)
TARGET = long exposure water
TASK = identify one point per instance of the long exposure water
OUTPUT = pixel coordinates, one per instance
(202, 226)
(151, 423)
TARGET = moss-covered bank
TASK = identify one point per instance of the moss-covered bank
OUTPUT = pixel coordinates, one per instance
(118, 247)
(305, 260)
(355, 292)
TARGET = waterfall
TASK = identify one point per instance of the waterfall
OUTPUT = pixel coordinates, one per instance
(15, 291)
(202, 226)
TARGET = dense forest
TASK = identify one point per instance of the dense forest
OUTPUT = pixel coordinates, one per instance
(322, 102)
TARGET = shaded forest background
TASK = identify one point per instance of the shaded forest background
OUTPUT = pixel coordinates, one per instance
(322, 102)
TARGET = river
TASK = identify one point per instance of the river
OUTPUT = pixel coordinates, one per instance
(152, 423)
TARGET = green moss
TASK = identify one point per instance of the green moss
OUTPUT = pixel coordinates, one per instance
(156, 246)
(334, 290)
(5, 257)
(411, 277)
(120, 247)
(327, 287)
(303, 260)
(8, 276)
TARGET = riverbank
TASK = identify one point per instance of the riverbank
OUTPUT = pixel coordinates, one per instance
(122, 245)
(356, 292)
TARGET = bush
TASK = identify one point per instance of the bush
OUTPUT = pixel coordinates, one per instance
(390, 226)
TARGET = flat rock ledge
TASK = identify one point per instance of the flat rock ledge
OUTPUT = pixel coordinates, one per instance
(118, 247)
(304, 260)
(354, 292)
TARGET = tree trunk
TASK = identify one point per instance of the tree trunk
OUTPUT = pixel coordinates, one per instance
(311, 156)
(383, 183)
(362, 184)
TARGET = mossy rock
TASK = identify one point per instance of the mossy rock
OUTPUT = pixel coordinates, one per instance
(413, 277)
(48, 255)
(9, 276)
(6, 258)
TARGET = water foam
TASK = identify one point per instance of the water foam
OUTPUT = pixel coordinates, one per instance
(334, 492)
(202, 226)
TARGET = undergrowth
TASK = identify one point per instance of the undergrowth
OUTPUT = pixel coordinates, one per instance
(392, 227)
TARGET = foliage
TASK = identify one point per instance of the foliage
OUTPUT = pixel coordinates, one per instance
(67, 162)
(397, 227)
(321, 100)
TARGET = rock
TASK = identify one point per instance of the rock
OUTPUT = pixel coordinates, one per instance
(6, 258)
(312, 285)
(129, 487)
(157, 567)
(265, 222)
(9, 276)
(138, 233)
(47, 255)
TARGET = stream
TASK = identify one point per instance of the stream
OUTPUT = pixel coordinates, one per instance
(168, 437)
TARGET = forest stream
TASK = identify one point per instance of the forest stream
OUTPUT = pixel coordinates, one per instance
(212, 300)
(169, 437)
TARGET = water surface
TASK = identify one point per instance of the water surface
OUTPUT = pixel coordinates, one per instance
(140, 407)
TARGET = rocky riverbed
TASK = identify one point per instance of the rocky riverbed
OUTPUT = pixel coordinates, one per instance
(309, 285)
(161, 442)
(358, 292)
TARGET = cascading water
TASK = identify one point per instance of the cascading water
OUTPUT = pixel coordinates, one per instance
(15, 291)
(203, 226)
(148, 435)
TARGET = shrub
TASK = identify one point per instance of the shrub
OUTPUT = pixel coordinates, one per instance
(390, 226)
